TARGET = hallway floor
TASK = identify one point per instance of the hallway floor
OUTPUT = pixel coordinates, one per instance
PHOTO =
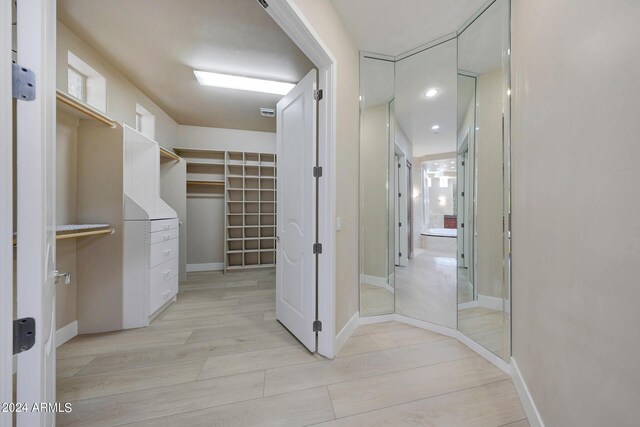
(217, 357)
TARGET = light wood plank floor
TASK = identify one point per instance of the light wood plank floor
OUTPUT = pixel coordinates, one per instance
(217, 357)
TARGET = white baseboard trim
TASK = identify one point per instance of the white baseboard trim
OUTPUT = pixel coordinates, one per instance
(210, 266)
(370, 320)
(467, 305)
(380, 282)
(530, 409)
(492, 303)
(438, 329)
(346, 332)
(67, 332)
(486, 354)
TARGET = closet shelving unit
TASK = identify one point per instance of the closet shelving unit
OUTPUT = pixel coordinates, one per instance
(81, 110)
(247, 181)
(250, 200)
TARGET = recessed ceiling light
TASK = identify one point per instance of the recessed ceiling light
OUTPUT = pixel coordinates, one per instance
(435, 127)
(206, 78)
(453, 163)
(431, 92)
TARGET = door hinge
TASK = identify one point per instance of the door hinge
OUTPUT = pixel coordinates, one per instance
(318, 94)
(462, 256)
(23, 83)
(399, 224)
(317, 171)
(462, 225)
(24, 334)
(463, 194)
(400, 254)
(317, 248)
(399, 194)
(462, 163)
(317, 326)
(263, 3)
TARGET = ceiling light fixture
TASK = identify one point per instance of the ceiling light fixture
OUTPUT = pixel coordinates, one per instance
(435, 127)
(431, 93)
(206, 78)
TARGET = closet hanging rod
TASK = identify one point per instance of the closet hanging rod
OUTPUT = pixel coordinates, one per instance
(86, 110)
(168, 154)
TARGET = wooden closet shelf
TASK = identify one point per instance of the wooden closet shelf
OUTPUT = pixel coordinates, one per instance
(82, 110)
(73, 231)
(212, 183)
(201, 154)
(169, 154)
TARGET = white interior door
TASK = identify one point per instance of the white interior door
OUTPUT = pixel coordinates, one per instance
(6, 214)
(296, 216)
(35, 127)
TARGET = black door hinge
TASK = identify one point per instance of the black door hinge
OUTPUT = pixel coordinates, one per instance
(23, 83)
(399, 224)
(463, 194)
(462, 163)
(399, 194)
(400, 254)
(317, 171)
(263, 3)
(462, 256)
(24, 334)
(317, 326)
(317, 248)
(462, 225)
(318, 94)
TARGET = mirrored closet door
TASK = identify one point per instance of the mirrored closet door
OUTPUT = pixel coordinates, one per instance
(483, 177)
(376, 174)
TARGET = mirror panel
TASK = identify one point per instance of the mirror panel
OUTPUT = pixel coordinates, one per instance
(425, 134)
(376, 256)
(483, 196)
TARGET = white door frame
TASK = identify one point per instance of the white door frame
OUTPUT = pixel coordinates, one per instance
(293, 22)
(36, 133)
(6, 215)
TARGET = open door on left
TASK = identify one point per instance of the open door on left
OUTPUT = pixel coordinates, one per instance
(35, 153)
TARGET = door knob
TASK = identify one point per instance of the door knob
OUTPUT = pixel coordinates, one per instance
(57, 275)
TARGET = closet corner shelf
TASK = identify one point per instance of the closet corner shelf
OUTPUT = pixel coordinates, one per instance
(212, 183)
(82, 110)
(169, 154)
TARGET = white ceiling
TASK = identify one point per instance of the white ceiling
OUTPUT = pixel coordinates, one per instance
(157, 44)
(415, 113)
(481, 45)
(392, 27)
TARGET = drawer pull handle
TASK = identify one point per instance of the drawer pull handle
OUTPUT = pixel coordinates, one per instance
(166, 252)
(167, 236)
(166, 273)
(167, 226)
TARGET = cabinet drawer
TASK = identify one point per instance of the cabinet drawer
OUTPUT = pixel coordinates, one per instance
(164, 235)
(165, 271)
(160, 293)
(163, 224)
(163, 251)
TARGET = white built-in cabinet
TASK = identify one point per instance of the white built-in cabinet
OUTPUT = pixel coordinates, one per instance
(247, 181)
(128, 277)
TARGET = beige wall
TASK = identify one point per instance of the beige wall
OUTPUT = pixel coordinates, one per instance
(489, 184)
(374, 211)
(122, 97)
(576, 198)
(326, 22)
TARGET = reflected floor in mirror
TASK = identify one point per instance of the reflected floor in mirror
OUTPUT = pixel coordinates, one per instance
(487, 327)
(426, 288)
(375, 300)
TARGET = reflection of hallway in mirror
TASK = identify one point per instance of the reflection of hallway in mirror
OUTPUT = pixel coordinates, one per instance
(465, 288)
(425, 289)
(487, 327)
